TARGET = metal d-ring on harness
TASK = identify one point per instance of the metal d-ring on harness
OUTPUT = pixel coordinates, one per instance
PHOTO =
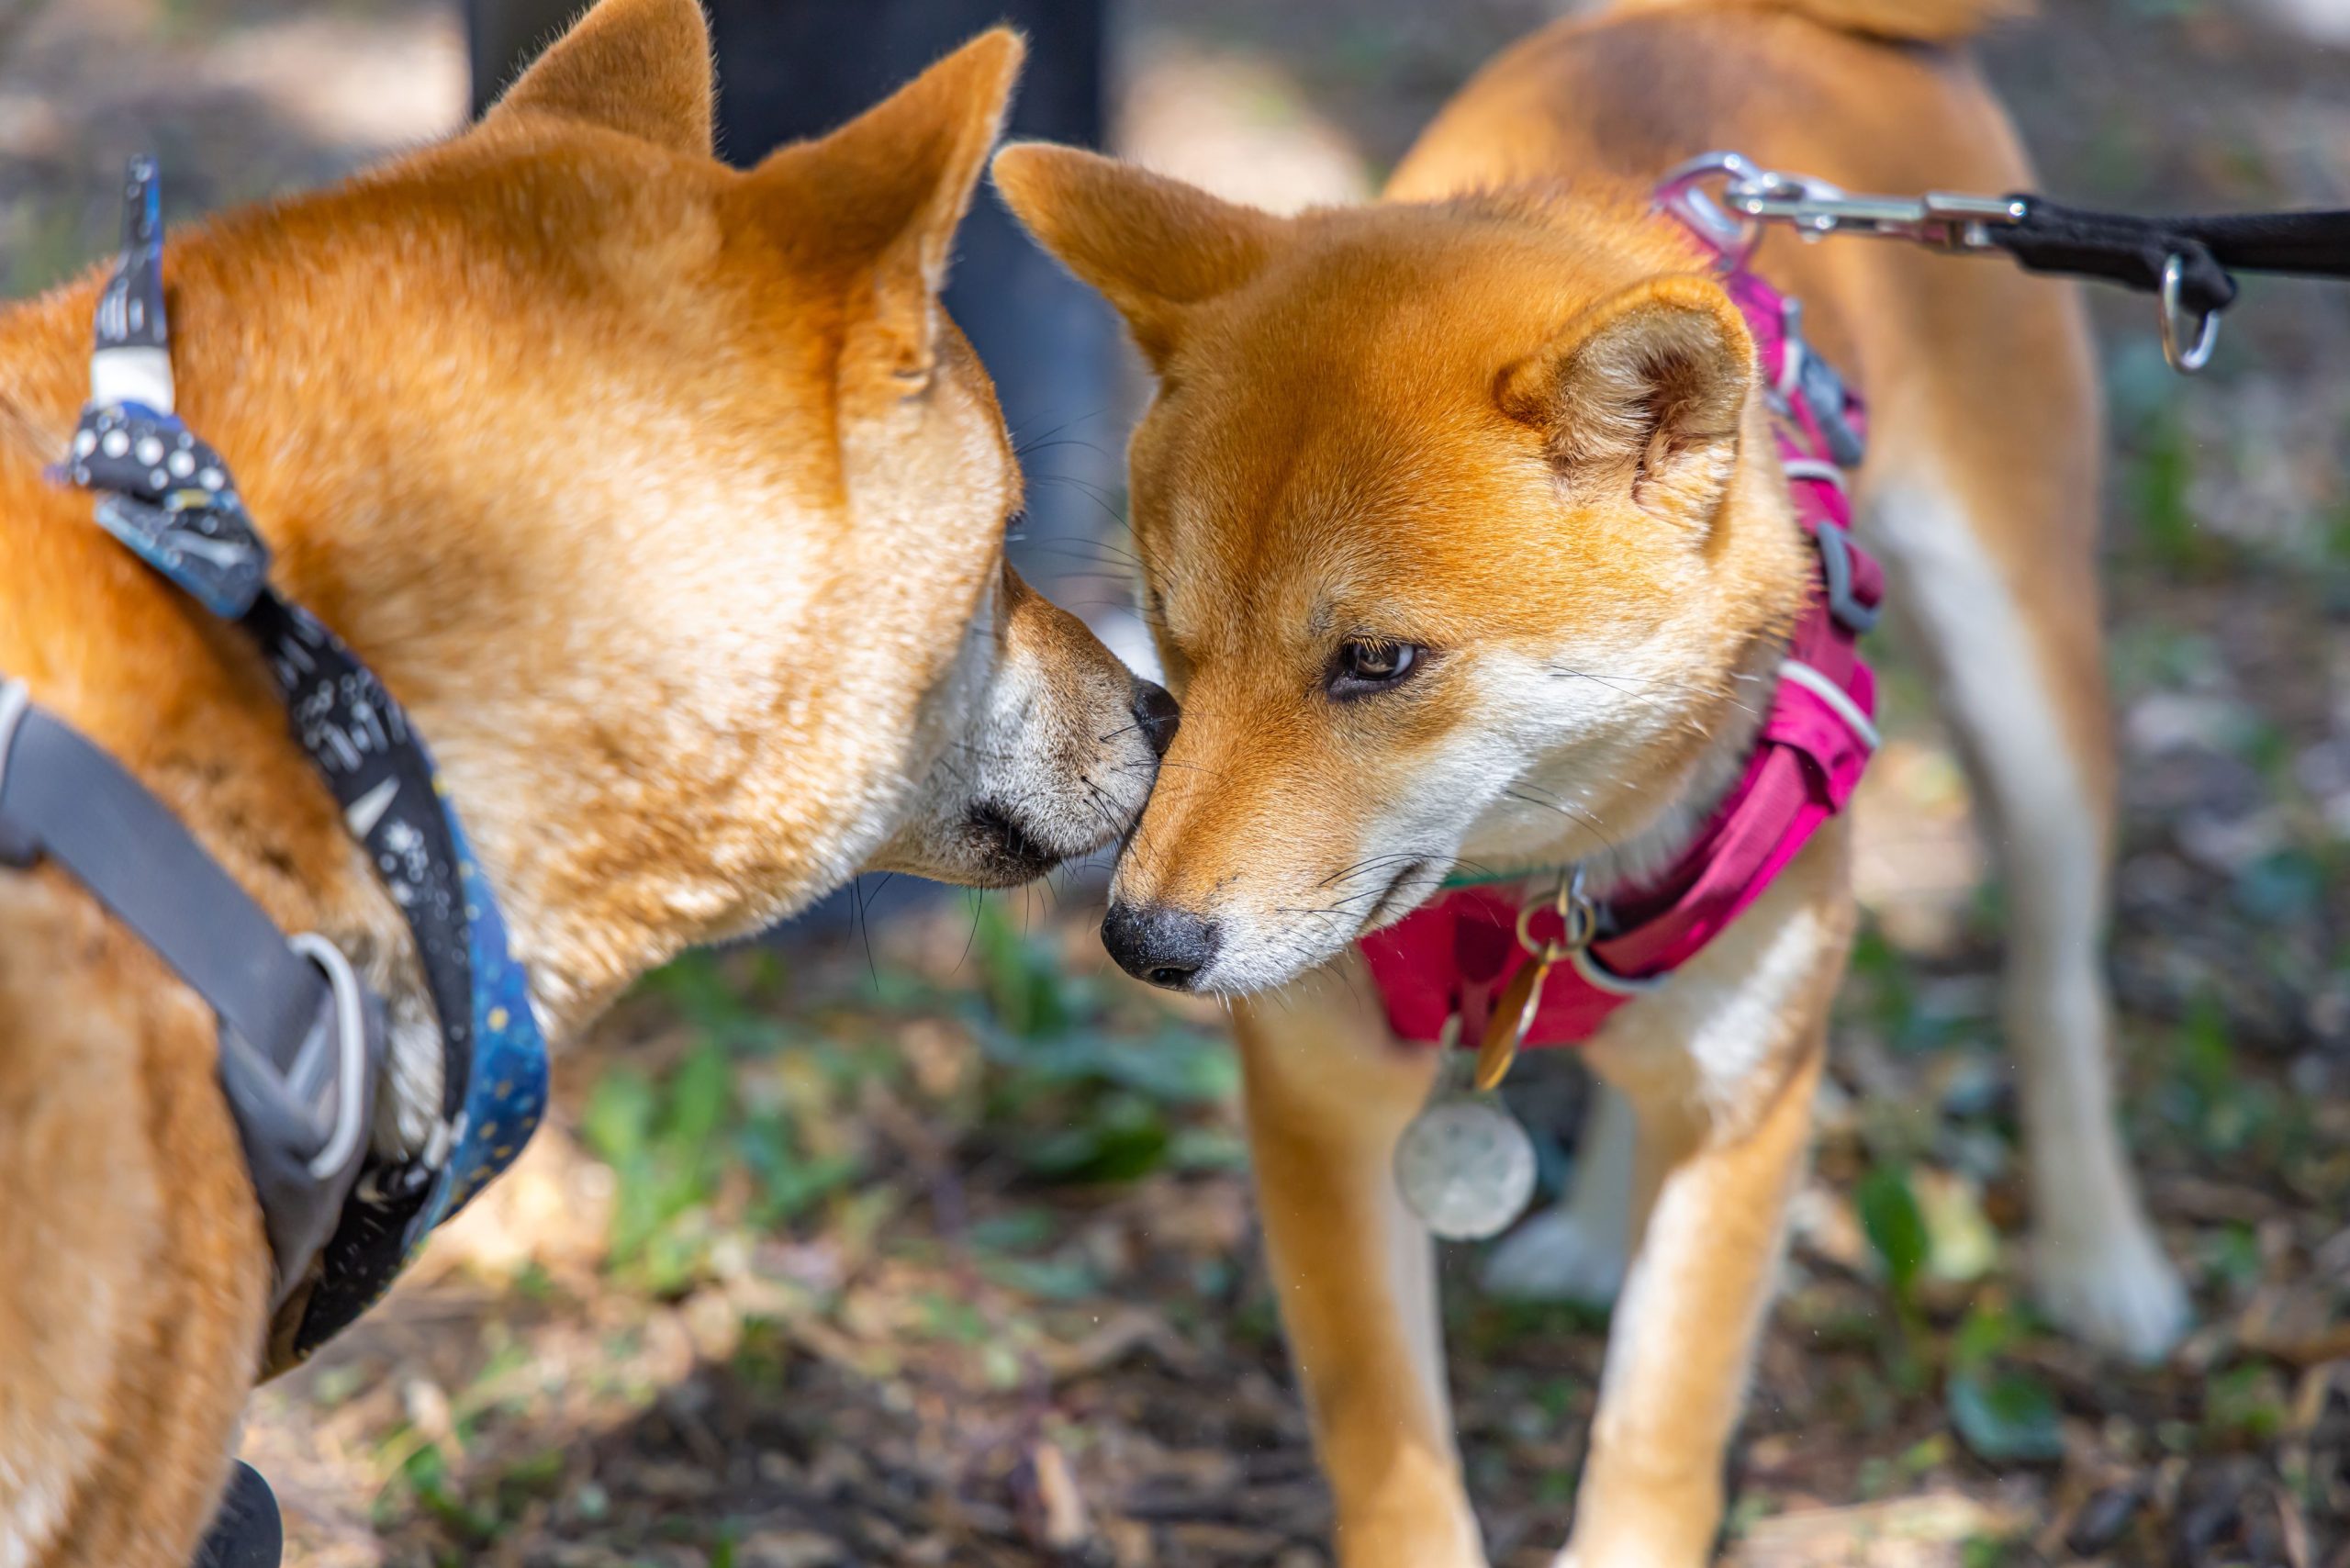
(301, 1038)
(2185, 262)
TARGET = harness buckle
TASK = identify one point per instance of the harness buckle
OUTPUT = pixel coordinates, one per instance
(304, 1123)
(1849, 611)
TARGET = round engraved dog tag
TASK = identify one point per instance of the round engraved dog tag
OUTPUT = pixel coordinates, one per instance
(1465, 1166)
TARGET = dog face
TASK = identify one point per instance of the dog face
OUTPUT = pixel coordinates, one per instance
(1053, 746)
(1457, 539)
(667, 499)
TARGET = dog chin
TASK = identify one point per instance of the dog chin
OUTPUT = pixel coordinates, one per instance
(1268, 965)
(998, 851)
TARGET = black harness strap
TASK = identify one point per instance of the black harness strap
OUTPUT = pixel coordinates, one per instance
(169, 499)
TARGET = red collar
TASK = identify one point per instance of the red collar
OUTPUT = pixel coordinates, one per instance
(1457, 954)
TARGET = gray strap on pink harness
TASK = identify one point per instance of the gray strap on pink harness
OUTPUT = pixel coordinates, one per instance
(301, 1040)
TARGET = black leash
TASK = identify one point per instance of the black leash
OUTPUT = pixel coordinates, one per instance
(2186, 262)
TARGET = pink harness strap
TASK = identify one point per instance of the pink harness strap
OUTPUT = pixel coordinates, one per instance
(1455, 954)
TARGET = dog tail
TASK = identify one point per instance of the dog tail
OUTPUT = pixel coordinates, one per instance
(1896, 21)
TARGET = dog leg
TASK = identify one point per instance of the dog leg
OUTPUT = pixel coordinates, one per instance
(2018, 668)
(133, 1269)
(1327, 1093)
(1721, 1069)
(1577, 1251)
(1713, 1198)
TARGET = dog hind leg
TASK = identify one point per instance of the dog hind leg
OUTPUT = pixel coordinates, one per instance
(2017, 664)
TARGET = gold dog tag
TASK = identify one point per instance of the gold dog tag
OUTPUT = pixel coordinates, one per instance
(1511, 1022)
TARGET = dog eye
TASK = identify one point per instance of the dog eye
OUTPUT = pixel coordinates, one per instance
(1364, 666)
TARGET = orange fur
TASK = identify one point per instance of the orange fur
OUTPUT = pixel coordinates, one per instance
(1503, 419)
(670, 504)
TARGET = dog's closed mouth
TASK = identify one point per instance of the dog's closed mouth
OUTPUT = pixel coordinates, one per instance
(1005, 848)
(1397, 898)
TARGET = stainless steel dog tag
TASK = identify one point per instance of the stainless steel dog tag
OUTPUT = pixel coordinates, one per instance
(1463, 1165)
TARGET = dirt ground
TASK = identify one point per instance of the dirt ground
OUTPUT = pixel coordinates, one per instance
(934, 1244)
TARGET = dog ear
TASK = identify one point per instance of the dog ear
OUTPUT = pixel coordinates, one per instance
(1644, 393)
(640, 67)
(1151, 246)
(890, 188)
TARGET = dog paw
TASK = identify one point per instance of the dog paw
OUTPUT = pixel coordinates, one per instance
(1557, 1256)
(2114, 1289)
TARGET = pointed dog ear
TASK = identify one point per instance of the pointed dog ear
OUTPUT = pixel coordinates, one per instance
(1153, 247)
(640, 67)
(1644, 394)
(888, 190)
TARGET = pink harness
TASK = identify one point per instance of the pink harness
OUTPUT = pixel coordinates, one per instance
(1455, 956)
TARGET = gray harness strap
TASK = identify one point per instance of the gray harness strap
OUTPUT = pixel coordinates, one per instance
(301, 1039)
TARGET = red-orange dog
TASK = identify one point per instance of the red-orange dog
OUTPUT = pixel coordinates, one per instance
(669, 503)
(1464, 540)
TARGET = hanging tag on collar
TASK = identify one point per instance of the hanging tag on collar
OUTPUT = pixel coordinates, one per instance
(1463, 1165)
(1512, 1019)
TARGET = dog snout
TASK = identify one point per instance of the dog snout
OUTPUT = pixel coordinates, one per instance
(1156, 713)
(1158, 943)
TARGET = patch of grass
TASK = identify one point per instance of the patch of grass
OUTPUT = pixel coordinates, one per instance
(1118, 1106)
(1492, 1325)
(2246, 1404)
(2203, 1093)
(2156, 479)
(2002, 1413)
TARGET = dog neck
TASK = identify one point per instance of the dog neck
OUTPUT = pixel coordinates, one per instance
(1626, 819)
(556, 748)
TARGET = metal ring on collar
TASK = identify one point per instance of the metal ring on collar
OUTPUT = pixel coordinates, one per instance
(1601, 978)
(350, 1035)
(2185, 357)
(1577, 914)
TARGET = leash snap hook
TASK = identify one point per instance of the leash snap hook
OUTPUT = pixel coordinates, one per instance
(1681, 194)
(2181, 325)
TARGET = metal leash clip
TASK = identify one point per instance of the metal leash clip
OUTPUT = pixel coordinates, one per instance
(1752, 197)
(1729, 200)
(1941, 221)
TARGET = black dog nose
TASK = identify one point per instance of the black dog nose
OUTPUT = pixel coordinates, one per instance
(1157, 714)
(1159, 944)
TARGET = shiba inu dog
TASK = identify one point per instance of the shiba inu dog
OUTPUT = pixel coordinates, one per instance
(670, 504)
(1467, 546)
